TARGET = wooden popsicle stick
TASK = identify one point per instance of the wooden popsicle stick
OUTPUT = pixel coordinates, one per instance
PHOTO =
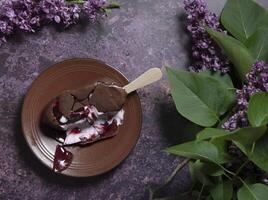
(148, 77)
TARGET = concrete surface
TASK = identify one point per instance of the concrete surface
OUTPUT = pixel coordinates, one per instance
(142, 34)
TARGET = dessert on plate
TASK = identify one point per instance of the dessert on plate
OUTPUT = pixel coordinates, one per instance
(89, 114)
(84, 116)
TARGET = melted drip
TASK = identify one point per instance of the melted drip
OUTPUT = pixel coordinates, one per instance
(75, 130)
(62, 159)
(110, 129)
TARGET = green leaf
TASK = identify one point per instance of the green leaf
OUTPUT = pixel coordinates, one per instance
(226, 79)
(222, 190)
(205, 169)
(241, 137)
(197, 173)
(258, 44)
(199, 150)
(259, 156)
(253, 192)
(222, 149)
(209, 133)
(264, 20)
(242, 18)
(192, 171)
(245, 136)
(235, 51)
(201, 98)
(258, 109)
(246, 149)
(212, 169)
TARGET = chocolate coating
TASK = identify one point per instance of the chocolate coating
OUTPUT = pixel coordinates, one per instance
(108, 98)
(105, 97)
(77, 105)
(83, 93)
(66, 102)
(48, 116)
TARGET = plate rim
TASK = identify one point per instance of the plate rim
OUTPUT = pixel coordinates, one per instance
(30, 146)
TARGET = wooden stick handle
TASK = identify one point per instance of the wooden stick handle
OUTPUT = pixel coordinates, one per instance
(148, 77)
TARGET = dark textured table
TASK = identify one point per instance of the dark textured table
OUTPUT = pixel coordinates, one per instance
(142, 34)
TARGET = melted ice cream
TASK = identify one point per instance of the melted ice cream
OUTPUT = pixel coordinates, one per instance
(93, 127)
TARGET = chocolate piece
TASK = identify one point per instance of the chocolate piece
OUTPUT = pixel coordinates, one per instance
(77, 106)
(66, 102)
(108, 98)
(49, 118)
(83, 93)
(85, 102)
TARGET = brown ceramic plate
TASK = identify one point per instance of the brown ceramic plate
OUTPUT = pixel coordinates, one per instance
(93, 159)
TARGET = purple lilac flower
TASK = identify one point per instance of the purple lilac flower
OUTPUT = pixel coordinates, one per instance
(257, 81)
(91, 8)
(206, 53)
(60, 11)
(239, 119)
(22, 14)
(26, 15)
(5, 29)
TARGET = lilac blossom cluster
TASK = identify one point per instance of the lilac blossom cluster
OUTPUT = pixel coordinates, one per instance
(27, 15)
(59, 11)
(205, 52)
(257, 81)
(90, 8)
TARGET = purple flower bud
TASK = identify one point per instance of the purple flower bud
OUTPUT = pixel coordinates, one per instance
(57, 19)
(5, 27)
(91, 6)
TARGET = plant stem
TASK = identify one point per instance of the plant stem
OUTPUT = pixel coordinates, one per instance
(226, 170)
(246, 162)
(178, 168)
(252, 148)
(170, 178)
(112, 6)
(201, 191)
(151, 195)
(240, 168)
(76, 1)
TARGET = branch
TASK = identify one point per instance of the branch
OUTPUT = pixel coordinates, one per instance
(170, 178)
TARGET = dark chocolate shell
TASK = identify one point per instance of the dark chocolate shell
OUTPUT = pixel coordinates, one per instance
(48, 116)
(108, 98)
(105, 97)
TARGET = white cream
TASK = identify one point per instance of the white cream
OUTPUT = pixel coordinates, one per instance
(88, 131)
(72, 125)
(63, 120)
(85, 134)
(119, 116)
